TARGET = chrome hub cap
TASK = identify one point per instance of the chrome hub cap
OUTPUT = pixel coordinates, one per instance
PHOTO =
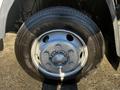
(59, 53)
(59, 59)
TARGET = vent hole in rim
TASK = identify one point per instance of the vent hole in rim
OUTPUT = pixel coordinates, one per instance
(69, 37)
(81, 54)
(45, 39)
(38, 57)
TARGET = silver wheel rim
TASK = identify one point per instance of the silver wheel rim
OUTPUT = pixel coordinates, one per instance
(59, 53)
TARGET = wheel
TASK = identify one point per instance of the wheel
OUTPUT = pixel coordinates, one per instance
(59, 43)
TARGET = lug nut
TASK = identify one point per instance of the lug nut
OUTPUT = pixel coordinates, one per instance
(58, 47)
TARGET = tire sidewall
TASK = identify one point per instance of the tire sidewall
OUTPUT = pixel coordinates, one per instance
(90, 33)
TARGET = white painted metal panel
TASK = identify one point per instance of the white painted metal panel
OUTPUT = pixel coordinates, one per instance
(1, 3)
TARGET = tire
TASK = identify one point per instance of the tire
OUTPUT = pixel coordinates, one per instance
(59, 18)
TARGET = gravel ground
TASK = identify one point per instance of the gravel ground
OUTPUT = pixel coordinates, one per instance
(13, 77)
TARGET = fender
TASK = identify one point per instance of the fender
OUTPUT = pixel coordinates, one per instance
(112, 8)
(5, 6)
(4, 10)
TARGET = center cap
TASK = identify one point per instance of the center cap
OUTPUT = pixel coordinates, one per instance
(59, 59)
(59, 54)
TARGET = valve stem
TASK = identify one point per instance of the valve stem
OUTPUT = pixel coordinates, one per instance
(62, 75)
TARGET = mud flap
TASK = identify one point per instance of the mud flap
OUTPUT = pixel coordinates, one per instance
(1, 45)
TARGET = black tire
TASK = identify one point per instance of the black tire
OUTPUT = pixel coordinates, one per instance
(59, 18)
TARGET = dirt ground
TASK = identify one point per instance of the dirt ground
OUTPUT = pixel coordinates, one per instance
(13, 77)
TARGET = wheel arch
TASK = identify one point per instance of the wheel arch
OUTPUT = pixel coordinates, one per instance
(8, 15)
(112, 7)
(11, 10)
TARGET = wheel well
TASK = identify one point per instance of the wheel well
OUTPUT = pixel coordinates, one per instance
(13, 16)
(95, 9)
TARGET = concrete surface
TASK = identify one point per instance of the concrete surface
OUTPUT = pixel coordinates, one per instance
(13, 77)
